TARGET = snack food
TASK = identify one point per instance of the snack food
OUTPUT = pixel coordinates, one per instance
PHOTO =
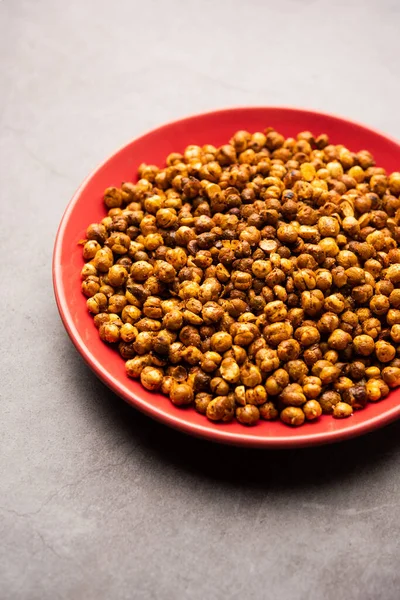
(253, 280)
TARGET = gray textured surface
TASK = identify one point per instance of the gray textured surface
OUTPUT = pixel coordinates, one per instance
(97, 501)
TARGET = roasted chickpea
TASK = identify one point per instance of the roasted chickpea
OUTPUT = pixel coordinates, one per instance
(312, 410)
(151, 378)
(384, 351)
(293, 416)
(363, 344)
(248, 414)
(264, 268)
(268, 411)
(181, 394)
(342, 410)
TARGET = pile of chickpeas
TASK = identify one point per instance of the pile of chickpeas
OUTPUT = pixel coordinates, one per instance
(260, 279)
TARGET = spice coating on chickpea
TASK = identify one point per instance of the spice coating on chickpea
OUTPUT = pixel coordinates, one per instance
(258, 279)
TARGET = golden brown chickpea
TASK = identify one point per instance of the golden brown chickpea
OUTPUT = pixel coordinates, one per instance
(312, 410)
(297, 369)
(173, 320)
(373, 372)
(363, 344)
(391, 376)
(100, 319)
(311, 386)
(90, 286)
(143, 342)
(379, 304)
(151, 378)
(222, 408)
(221, 341)
(131, 314)
(230, 370)
(267, 360)
(342, 384)
(97, 303)
(250, 374)
(96, 231)
(339, 340)
(128, 332)
(103, 259)
(135, 366)
(219, 386)
(275, 384)
(181, 394)
(210, 361)
(384, 351)
(292, 395)
(141, 271)
(90, 249)
(376, 389)
(372, 327)
(342, 410)
(88, 270)
(393, 317)
(256, 395)
(116, 303)
(293, 416)
(395, 333)
(248, 414)
(109, 332)
(287, 233)
(288, 350)
(307, 335)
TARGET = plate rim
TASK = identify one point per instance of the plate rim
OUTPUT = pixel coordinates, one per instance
(179, 421)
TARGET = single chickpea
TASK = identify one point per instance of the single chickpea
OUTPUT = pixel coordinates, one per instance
(363, 344)
(250, 374)
(221, 342)
(339, 340)
(201, 401)
(181, 394)
(328, 401)
(109, 332)
(312, 410)
(391, 376)
(342, 410)
(248, 414)
(293, 416)
(395, 334)
(292, 395)
(384, 351)
(151, 378)
(128, 332)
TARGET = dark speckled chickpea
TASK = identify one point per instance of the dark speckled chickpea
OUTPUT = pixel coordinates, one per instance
(328, 400)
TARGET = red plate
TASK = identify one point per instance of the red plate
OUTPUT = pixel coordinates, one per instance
(87, 207)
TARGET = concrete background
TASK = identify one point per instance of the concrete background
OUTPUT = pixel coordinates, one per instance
(97, 501)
